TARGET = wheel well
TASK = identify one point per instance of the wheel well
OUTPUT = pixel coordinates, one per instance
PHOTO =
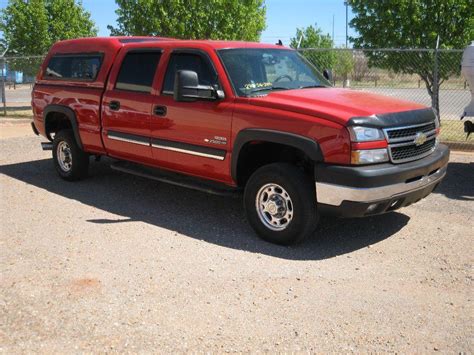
(256, 154)
(55, 122)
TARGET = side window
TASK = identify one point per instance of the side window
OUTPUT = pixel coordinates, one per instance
(137, 71)
(80, 67)
(188, 61)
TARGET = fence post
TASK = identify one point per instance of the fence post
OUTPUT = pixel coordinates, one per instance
(435, 102)
(4, 73)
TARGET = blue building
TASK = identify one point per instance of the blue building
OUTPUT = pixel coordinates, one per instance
(12, 76)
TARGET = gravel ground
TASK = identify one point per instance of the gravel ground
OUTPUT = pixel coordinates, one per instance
(120, 263)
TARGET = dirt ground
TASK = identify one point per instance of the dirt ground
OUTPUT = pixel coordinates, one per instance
(119, 263)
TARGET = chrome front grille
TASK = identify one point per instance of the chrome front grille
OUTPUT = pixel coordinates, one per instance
(407, 152)
(406, 143)
(403, 133)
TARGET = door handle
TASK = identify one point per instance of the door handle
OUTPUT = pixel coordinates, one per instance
(114, 105)
(160, 110)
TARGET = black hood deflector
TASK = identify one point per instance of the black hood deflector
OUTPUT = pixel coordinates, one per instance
(395, 119)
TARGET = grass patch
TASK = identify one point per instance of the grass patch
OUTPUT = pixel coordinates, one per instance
(17, 112)
(453, 131)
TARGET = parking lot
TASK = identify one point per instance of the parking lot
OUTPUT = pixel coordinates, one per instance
(120, 263)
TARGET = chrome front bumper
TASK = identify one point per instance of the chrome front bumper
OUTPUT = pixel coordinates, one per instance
(335, 195)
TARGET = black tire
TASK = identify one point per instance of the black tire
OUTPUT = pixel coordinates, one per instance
(301, 190)
(79, 160)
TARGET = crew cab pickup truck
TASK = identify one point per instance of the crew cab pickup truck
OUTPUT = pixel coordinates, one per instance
(225, 117)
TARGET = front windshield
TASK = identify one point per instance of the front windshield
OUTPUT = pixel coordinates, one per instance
(258, 71)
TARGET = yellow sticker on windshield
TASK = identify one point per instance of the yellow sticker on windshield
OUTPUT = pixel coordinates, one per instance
(257, 85)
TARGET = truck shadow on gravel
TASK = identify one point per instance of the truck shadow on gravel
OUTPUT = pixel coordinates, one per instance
(213, 219)
(459, 182)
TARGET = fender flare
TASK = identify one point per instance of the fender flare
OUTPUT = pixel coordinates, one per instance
(309, 146)
(71, 116)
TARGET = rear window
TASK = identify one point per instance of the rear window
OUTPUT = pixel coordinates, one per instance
(137, 71)
(80, 67)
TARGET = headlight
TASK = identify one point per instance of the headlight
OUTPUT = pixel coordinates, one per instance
(369, 156)
(365, 134)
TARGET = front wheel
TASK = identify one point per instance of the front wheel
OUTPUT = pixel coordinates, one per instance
(280, 202)
(70, 161)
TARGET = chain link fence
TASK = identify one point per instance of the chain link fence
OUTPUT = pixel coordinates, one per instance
(426, 76)
(429, 77)
(17, 75)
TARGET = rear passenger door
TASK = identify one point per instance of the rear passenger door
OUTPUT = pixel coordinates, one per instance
(192, 137)
(127, 105)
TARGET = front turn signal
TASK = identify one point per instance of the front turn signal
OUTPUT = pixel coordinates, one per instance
(369, 156)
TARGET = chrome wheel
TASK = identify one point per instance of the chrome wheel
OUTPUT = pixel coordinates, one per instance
(274, 207)
(64, 156)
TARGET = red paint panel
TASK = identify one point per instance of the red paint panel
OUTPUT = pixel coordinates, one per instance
(85, 102)
(337, 105)
(133, 117)
(332, 138)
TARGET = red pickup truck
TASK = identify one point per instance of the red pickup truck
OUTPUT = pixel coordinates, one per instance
(225, 117)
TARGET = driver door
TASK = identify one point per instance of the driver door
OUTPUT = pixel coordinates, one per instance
(191, 137)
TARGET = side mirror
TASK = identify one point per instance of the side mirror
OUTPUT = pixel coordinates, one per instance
(187, 88)
(327, 73)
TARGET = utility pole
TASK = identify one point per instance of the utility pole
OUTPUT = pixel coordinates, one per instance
(333, 30)
(435, 99)
(4, 73)
(347, 15)
(299, 41)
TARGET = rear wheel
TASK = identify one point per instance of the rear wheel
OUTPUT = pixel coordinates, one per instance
(70, 161)
(280, 203)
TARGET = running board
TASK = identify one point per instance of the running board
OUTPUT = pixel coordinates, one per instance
(186, 181)
(47, 146)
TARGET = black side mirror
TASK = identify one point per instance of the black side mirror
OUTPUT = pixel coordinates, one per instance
(327, 73)
(187, 88)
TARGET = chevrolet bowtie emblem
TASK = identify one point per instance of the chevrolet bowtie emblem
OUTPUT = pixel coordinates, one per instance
(420, 138)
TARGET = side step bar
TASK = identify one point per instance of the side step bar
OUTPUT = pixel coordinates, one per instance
(175, 179)
(47, 145)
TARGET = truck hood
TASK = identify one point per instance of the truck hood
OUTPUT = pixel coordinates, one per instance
(337, 105)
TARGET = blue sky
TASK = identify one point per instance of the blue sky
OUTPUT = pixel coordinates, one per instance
(283, 17)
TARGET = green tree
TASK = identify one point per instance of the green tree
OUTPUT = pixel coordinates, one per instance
(25, 26)
(191, 19)
(344, 64)
(414, 24)
(313, 37)
(68, 19)
(31, 27)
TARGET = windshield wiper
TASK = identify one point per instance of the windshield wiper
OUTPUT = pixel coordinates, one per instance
(269, 88)
(312, 86)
